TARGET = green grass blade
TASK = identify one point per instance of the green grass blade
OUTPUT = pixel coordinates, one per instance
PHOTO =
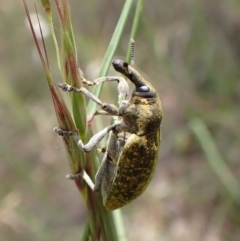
(136, 19)
(47, 7)
(118, 220)
(216, 161)
(110, 52)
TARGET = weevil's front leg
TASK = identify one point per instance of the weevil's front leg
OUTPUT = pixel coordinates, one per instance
(111, 109)
(91, 143)
(85, 81)
(123, 88)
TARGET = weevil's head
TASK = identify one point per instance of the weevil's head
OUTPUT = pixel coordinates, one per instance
(145, 108)
(142, 87)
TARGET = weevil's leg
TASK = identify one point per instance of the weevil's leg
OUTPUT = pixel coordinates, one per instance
(101, 150)
(111, 109)
(91, 143)
(98, 177)
(94, 140)
(101, 112)
(61, 132)
(88, 147)
(101, 172)
(98, 112)
(123, 88)
(83, 175)
(69, 88)
(85, 81)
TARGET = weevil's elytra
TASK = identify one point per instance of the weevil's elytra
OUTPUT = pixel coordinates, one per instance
(132, 148)
(134, 173)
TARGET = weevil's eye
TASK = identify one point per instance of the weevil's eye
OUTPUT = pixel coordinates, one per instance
(143, 89)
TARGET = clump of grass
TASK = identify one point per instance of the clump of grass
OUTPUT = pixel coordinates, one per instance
(101, 224)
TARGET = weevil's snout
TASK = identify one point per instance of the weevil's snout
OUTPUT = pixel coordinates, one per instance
(143, 87)
(122, 67)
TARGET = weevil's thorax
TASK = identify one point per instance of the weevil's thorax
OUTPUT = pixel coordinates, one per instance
(142, 115)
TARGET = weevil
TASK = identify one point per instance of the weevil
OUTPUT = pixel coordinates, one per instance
(131, 153)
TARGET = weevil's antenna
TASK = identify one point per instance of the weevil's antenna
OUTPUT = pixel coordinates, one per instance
(132, 46)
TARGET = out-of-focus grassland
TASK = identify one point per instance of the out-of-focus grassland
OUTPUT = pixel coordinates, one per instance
(190, 51)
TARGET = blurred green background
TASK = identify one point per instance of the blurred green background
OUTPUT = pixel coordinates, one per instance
(190, 51)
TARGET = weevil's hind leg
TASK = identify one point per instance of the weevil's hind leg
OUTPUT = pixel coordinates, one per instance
(88, 147)
(98, 178)
(101, 172)
(83, 175)
(91, 143)
(95, 187)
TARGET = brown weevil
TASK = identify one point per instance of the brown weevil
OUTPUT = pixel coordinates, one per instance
(131, 153)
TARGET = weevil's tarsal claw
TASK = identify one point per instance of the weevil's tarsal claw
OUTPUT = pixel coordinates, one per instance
(58, 131)
(63, 86)
(69, 88)
(61, 132)
(74, 176)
